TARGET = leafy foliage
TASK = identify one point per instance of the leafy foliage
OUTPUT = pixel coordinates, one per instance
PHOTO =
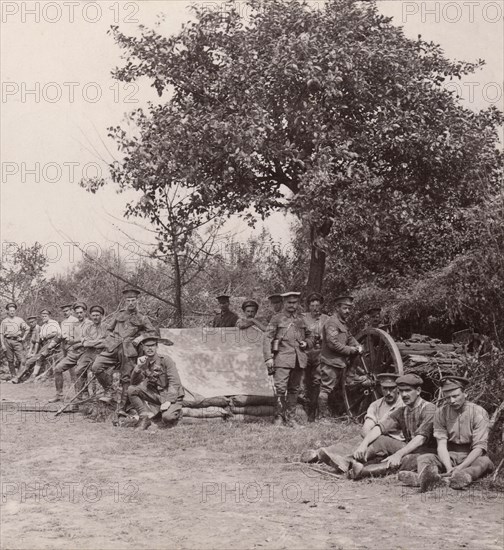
(332, 113)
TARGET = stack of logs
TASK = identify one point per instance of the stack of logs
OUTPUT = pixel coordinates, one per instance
(428, 357)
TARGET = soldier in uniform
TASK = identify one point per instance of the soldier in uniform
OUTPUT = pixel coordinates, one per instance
(67, 325)
(48, 342)
(374, 317)
(315, 320)
(74, 348)
(127, 325)
(285, 342)
(30, 341)
(155, 390)
(415, 419)
(338, 345)
(226, 318)
(250, 309)
(340, 457)
(461, 430)
(276, 303)
(93, 342)
(12, 331)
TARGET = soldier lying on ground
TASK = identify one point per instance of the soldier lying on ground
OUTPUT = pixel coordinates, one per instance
(336, 456)
(155, 392)
(461, 431)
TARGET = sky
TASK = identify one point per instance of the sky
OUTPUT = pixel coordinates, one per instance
(58, 99)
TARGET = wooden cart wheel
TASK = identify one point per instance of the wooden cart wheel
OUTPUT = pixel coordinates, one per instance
(360, 385)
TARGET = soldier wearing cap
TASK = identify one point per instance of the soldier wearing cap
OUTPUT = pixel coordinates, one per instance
(276, 303)
(69, 320)
(119, 351)
(74, 348)
(461, 431)
(155, 390)
(226, 317)
(373, 317)
(250, 308)
(48, 343)
(315, 320)
(415, 420)
(338, 455)
(285, 342)
(338, 345)
(12, 331)
(30, 341)
(93, 342)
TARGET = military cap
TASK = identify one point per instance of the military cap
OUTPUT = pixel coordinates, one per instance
(248, 303)
(409, 380)
(11, 304)
(66, 306)
(453, 383)
(130, 292)
(344, 300)
(374, 309)
(83, 305)
(45, 311)
(387, 379)
(144, 339)
(31, 317)
(99, 309)
(223, 298)
(314, 296)
(292, 293)
(275, 297)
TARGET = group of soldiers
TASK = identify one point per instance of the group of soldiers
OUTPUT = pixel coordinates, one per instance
(311, 350)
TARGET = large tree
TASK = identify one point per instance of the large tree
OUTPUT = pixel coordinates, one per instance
(331, 113)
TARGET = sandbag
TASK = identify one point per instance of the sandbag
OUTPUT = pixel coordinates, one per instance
(203, 403)
(200, 421)
(248, 418)
(209, 412)
(263, 410)
(252, 400)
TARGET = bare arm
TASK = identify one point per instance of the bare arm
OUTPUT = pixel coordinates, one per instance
(444, 456)
(395, 459)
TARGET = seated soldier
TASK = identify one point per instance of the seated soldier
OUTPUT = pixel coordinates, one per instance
(336, 456)
(415, 420)
(461, 431)
(250, 308)
(155, 391)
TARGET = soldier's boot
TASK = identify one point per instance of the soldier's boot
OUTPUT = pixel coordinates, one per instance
(309, 456)
(105, 383)
(279, 411)
(143, 423)
(323, 407)
(337, 461)
(121, 411)
(410, 479)
(58, 380)
(313, 403)
(477, 469)
(290, 411)
(12, 370)
(361, 471)
(429, 477)
(138, 405)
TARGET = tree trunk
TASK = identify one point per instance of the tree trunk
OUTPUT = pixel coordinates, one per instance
(318, 256)
(179, 316)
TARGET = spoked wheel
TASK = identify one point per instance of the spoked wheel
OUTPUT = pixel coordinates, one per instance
(360, 385)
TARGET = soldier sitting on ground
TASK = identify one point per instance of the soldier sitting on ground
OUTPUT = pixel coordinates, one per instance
(461, 431)
(155, 392)
(340, 458)
(415, 419)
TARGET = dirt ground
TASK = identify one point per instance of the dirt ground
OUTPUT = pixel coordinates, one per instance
(72, 483)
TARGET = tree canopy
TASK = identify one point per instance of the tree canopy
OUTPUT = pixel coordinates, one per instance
(331, 113)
